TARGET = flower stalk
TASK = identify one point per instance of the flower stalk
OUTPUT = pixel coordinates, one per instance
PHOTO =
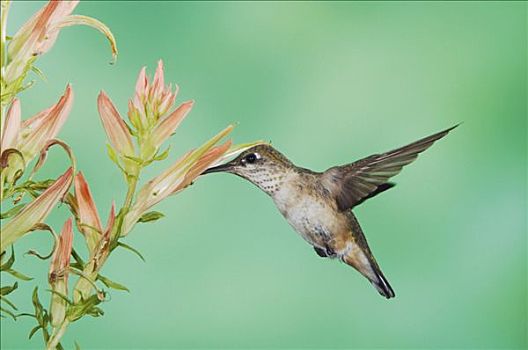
(134, 143)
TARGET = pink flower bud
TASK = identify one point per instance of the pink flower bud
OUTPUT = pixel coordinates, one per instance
(115, 128)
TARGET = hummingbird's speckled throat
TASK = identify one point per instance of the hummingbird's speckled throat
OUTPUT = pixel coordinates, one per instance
(318, 205)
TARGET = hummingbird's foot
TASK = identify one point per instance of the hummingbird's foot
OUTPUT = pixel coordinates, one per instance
(320, 252)
(325, 253)
(330, 252)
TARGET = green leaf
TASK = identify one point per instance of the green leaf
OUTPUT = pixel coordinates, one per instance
(10, 313)
(39, 310)
(7, 267)
(38, 72)
(77, 266)
(111, 284)
(8, 289)
(133, 250)
(151, 216)
(77, 346)
(84, 307)
(163, 155)
(112, 154)
(136, 160)
(19, 275)
(9, 262)
(8, 302)
(12, 212)
(77, 258)
(95, 312)
(34, 330)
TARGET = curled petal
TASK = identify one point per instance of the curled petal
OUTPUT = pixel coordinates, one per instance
(115, 127)
(87, 21)
(168, 125)
(36, 211)
(36, 36)
(11, 130)
(44, 152)
(62, 10)
(35, 28)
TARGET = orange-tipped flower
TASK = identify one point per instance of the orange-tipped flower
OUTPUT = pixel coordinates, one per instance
(116, 129)
(88, 216)
(149, 112)
(35, 212)
(44, 126)
(35, 37)
(40, 32)
(60, 260)
(212, 156)
(168, 125)
(58, 274)
(176, 177)
(156, 98)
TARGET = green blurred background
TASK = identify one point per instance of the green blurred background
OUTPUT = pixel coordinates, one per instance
(327, 83)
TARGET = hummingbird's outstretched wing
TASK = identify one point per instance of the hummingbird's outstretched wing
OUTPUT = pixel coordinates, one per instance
(352, 183)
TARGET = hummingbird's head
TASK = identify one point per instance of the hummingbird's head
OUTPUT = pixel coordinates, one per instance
(263, 165)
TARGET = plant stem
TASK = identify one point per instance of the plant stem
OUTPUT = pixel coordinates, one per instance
(132, 184)
(57, 335)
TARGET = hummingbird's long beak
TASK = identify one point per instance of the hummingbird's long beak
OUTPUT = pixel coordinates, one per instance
(220, 168)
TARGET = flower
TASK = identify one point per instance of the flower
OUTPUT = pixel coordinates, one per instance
(27, 138)
(115, 127)
(35, 212)
(148, 110)
(168, 125)
(151, 101)
(30, 136)
(89, 222)
(38, 35)
(44, 126)
(176, 177)
(10, 134)
(58, 274)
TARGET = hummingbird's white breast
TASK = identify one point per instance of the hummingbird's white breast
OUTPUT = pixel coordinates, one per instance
(311, 216)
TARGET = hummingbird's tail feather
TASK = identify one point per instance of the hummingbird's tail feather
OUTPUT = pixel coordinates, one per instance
(369, 268)
(383, 286)
(359, 256)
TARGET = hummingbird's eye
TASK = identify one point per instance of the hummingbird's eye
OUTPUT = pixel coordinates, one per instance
(251, 158)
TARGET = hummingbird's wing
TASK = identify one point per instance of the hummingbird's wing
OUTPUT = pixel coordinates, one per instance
(352, 183)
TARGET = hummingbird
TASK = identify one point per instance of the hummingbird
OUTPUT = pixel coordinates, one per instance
(318, 205)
